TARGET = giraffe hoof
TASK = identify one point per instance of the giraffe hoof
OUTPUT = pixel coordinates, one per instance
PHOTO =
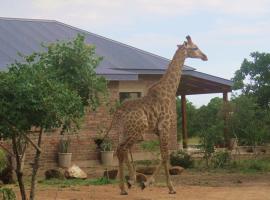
(123, 193)
(129, 184)
(142, 184)
(172, 192)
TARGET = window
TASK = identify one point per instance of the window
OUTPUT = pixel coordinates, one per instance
(129, 95)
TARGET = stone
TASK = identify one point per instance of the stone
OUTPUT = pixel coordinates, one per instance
(176, 170)
(110, 174)
(75, 172)
(54, 173)
(146, 170)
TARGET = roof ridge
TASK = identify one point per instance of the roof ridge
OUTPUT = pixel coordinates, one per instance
(26, 19)
(114, 41)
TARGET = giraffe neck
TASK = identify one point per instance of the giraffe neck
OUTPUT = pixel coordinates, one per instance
(171, 79)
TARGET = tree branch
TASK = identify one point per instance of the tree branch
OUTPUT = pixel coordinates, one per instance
(13, 127)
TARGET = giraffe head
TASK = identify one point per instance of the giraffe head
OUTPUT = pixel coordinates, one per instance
(192, 50)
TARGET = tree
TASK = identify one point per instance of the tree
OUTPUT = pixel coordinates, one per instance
(74, 63)
(210, 120)
(253, 78)
(47, 90)
(248, 121)
(29, 99)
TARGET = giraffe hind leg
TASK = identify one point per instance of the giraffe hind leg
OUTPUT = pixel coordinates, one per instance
(121, 157)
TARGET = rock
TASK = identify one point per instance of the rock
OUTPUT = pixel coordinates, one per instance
(110, 174)
(140, 178)
(146, 170)
(75, 172)
(176, 170)
(54, 173)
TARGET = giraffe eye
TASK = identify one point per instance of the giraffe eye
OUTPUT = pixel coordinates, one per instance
(194, 49)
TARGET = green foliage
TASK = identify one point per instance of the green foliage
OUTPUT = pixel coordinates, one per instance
(221, 159)
(150, 145)
(7, 194)
(253, 78)
(64, 145)
(73, 63)
(208, 139)
(181, 158)
(249, 122)
(78, 182)
(28, 98)
(3, 160)
(106, 145)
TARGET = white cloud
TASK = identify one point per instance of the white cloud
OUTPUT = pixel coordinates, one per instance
(162, 7)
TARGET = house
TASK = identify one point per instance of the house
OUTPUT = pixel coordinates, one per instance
(130, 71)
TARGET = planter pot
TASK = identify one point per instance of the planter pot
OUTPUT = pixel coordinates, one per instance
(107, 158)
(64, 159)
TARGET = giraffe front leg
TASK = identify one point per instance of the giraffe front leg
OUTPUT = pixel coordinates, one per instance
(151, 180)
(121, 157)
(164, 137)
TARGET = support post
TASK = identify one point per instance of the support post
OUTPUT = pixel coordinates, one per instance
(225, 117)
(184, 121)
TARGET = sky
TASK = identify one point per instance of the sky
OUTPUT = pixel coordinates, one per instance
(227, 31)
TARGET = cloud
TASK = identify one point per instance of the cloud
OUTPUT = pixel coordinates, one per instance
(127, 11)
(162, 7)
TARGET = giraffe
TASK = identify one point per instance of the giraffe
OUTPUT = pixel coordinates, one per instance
(153, 112)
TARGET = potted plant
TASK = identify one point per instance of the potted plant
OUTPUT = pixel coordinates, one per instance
(64, 154)
(106, 152)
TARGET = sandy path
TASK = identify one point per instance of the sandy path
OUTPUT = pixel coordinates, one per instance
(111, 192)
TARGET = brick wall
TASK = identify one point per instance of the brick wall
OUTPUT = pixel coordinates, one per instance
(83, 148)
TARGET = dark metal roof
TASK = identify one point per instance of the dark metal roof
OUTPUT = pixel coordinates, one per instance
(121, 61)
(25, 36)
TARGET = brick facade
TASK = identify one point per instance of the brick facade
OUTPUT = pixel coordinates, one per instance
(83, 148)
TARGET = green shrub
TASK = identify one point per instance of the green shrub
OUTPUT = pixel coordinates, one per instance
(7, 194)
(3, 160)
(181, 158)
(221, 159)
(106, 145)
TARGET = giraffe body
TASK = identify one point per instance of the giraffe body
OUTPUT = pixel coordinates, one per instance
(152, 113)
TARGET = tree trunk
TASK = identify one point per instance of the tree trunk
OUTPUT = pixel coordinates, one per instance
(35, 167)
(19, 172)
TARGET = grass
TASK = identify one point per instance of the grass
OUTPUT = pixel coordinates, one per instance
(76, 182)
(248, 166)
(251, 165)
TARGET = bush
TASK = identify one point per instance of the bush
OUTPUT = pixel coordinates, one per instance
(106, 145)
(221, 159)
(7, 194)
(181, 158)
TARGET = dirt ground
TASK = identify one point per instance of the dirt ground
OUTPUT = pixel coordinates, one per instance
(189, 186)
